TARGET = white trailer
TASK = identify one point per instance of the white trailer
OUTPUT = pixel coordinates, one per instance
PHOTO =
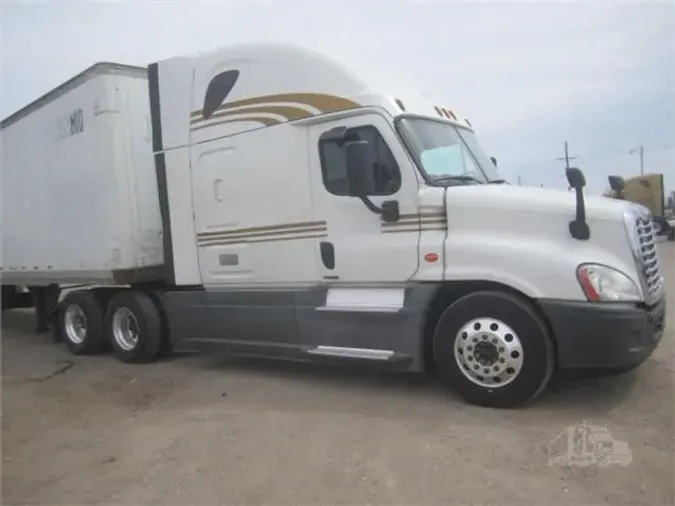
(268, 200)
(80, 201)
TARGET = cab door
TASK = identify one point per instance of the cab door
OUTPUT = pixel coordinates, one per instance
(360, 247)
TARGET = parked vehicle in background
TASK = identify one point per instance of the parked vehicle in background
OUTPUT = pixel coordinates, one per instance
(647, 190)
(670, 205)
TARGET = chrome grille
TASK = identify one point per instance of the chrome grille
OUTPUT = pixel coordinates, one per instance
(649, 260)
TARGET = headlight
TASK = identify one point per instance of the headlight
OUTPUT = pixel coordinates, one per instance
(602, 283)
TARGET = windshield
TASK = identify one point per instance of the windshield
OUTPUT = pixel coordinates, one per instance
(447, 152)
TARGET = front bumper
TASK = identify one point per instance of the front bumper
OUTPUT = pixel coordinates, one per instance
(604, 335)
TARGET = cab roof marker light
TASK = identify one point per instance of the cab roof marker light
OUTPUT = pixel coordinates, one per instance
(445, 112)
(451, 114)
(438, 110)
(399, 103)
(468, 123)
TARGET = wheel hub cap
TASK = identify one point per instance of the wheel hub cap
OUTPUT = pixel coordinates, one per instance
(75, 324)
(489, 352)
(485, 353)
(125, 328)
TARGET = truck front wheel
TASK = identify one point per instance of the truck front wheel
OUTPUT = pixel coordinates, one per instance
(134, 327)
(493, 349)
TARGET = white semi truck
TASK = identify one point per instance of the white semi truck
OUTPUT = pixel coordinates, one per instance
(267, 200)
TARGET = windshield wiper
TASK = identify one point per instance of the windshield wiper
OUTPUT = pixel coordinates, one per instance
(498, 181)
(446, 179)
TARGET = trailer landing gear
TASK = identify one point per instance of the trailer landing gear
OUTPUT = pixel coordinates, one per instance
(45, 300)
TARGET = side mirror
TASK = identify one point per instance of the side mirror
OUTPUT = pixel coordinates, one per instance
(579, 228)
(617, 183)
(359, 164)
(575, 178)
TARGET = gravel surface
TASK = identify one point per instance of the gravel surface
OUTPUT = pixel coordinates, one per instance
(199, 430)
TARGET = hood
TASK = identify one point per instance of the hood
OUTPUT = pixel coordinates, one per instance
(535, 200)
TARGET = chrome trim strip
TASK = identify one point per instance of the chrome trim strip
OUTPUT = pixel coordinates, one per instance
(364, 353)
(361, 309)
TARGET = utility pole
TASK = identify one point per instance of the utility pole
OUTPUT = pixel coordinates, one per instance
(567, 159)
(640, 150)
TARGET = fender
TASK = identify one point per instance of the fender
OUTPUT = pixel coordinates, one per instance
(536, 266)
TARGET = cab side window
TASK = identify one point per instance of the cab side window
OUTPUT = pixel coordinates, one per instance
(334, 171)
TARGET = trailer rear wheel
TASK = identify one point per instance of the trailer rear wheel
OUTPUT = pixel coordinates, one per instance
(493, 349)
(80, 323)
(134, 327)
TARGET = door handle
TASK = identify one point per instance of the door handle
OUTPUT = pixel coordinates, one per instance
(327, 254)
(216, 189)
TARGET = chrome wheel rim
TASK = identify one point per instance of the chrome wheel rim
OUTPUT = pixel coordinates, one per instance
(75, 324)
(489, 352)
(125, 328)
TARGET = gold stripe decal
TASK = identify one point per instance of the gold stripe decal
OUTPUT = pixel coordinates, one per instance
(245, 119)
(324, 103)
(263, 229)
(287, 111)
(262, 239)
(417, 222)
(287, 232)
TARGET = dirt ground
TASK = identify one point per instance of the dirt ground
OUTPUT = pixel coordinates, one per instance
(200, 430)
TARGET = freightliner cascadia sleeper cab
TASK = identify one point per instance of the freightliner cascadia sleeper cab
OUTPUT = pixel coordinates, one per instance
(268, 200)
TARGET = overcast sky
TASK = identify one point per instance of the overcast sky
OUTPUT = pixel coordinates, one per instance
(528, 75)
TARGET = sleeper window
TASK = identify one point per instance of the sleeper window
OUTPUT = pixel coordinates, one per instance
(334, 171)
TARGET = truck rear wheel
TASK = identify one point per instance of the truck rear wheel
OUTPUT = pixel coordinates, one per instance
(80, 323)
(493, 349)
(134, 327)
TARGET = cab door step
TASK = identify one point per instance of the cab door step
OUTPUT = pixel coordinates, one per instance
(361, 354)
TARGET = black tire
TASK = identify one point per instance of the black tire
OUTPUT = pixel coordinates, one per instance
(671, 234)
(94, 340)
(148, 327)
(538, 356)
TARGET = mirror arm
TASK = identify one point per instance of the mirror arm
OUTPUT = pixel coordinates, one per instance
(370, 205)
(579, 228)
